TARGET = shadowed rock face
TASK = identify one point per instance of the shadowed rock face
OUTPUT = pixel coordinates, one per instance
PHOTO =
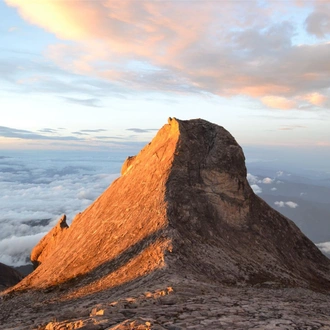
(8, 276)
(182, 209)
(222, 231)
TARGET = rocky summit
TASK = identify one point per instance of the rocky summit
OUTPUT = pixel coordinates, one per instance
(178, 241)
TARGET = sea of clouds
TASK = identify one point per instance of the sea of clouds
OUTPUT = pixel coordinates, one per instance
(38, 187)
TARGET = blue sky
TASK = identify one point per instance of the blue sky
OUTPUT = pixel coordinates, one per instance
(118, 69)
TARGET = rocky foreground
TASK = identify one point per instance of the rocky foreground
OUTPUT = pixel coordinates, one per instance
(179, 241)
(182, 306)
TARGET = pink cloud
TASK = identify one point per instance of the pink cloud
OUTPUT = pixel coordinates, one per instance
(315, 98)
(228, 48)
(323, 143)
(278, 102)
(291, 127)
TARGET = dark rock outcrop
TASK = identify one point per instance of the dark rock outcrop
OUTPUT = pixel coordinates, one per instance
(223, 231)
(8, 276)
(25, 269)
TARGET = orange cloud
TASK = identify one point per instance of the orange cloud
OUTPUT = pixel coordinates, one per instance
(278, 102)
(140, 28)
(59, 17)
(227, 49)
(315, 98)
(257, 91)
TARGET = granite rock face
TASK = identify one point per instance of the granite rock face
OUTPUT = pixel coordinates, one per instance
(222, 230)
(49, 243)
(181, 216)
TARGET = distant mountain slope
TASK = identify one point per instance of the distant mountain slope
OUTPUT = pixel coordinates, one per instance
(309, 192)
(311, 217)
(8, 276)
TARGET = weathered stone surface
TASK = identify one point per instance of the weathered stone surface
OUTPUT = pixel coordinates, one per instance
(179, 240)
(127, 164)
(223, 231)
(49, 243)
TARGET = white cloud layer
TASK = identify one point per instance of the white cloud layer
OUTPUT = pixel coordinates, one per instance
(290, 204)
(267, 180)
(255, 180)
(256, 189)
(252, 178)
(37, 189)
(15, 250)
(324, 247)
(280, 204)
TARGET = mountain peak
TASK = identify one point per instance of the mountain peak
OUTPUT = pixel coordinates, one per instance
(182, 208)
(178, 240)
